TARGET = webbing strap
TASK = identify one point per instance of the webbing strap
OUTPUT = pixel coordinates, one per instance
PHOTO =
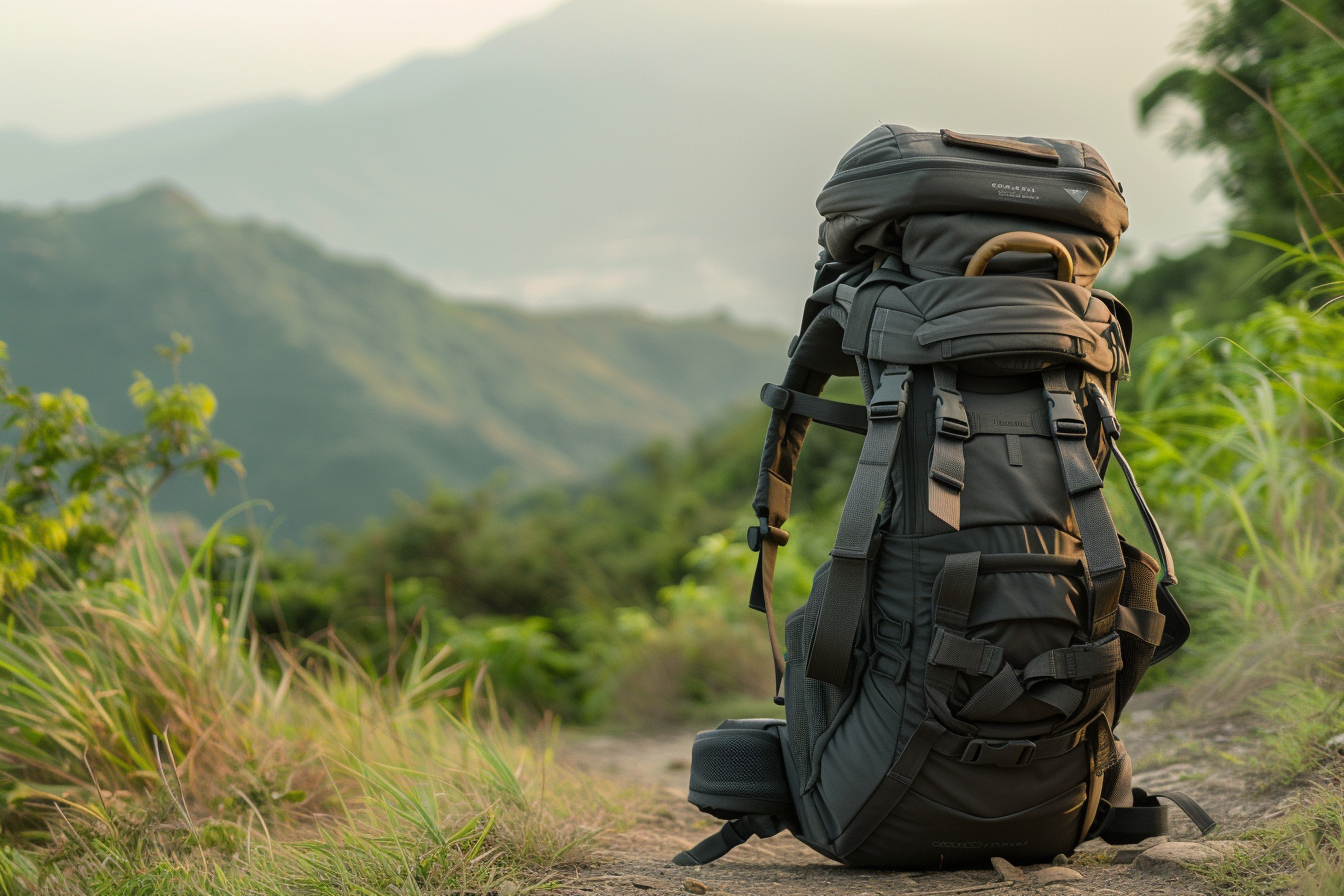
(962, 746)
(1146, 625)
(1096, 529)
(891, 789)
(956, 590)
(731, 835)
(840, 414)
(947, 462)
(1077, 663)
(974, 657)
(1193, 810)
(952, 614)
(1002, 691)
(1122, 825)
(1110, 426)
(847, 584)
(763, 586)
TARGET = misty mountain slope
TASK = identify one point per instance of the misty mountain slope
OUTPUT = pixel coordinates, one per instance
(649, 152)
(341, 381)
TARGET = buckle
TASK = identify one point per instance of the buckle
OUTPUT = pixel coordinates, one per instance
(949, 415)
(757, 534)
(1110, 424)
(892, 395)
(1066, 418)
(1003, 753)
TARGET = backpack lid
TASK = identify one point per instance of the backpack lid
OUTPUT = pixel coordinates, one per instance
(895, 172)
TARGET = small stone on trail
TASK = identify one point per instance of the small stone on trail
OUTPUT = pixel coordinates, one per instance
(1060, 859)
(1126, 856)
(1182, 854)
(508, 888)
(1336, 742)
(1055, 874)
(691, 885)
(1007, 870)
(643, 883)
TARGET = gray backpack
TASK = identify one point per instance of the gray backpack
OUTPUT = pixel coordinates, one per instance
(953, 682)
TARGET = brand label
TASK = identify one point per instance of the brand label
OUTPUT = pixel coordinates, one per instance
(1078, 195)
(1016, 191)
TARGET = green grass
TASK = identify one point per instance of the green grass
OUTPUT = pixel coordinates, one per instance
(150, 744)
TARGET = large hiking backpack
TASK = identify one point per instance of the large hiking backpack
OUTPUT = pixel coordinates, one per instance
(952, 684)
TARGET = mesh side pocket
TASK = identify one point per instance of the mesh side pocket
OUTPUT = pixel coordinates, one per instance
(1139, 593)
(739, 771)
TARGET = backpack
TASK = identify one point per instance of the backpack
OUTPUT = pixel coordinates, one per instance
(952, 685)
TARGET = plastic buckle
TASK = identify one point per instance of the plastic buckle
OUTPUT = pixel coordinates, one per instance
(757, 534)
(1066, 418)
(1110, 424)
(949, 415)
(891, 397)
(1003, 753)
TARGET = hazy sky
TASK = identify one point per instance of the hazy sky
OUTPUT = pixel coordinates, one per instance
(73, 68)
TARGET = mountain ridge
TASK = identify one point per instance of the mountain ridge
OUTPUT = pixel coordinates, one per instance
(645, 153)
(340, 380)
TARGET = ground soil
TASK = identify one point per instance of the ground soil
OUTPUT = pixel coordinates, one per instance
(1207, 759)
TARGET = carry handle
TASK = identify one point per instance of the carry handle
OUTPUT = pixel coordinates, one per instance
(1022, 241)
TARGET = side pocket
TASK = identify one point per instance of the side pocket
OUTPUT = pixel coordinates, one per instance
(1139, 597)
(795, 654)
(810, 705)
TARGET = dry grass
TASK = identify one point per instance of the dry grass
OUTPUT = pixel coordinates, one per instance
(151, 744)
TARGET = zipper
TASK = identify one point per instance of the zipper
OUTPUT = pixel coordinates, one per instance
(1086, 175)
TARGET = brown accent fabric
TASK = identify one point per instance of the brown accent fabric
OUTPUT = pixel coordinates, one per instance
(1002, 144)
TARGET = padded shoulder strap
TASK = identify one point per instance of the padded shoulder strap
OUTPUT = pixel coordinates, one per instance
(847, 584)
(814, 359)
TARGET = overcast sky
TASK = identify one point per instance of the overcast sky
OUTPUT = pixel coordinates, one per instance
(74, 68)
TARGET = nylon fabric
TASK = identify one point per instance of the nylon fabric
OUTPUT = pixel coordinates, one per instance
(847, 586)
(951, 683)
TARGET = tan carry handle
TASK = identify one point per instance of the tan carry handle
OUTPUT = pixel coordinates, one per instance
(1022, 241)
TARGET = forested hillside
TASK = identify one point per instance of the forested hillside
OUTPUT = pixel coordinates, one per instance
(342, 380)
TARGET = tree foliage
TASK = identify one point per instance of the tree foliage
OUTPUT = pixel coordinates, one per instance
(70, 487)
(1266, 82)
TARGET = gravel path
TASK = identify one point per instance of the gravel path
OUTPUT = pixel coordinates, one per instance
(1206, 761)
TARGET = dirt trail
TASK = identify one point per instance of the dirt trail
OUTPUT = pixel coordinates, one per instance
(1204, 761)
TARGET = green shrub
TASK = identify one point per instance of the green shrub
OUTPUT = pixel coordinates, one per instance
(71, 488)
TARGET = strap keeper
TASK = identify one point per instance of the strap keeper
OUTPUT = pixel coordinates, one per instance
(1066, 418)
(840, 553)
(948, 480)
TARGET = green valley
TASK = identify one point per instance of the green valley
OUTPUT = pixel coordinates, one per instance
(342, 381)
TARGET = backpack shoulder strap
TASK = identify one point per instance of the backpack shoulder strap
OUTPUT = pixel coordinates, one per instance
(847, 583)
(814, 358)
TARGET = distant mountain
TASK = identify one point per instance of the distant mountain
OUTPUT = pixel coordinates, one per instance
(654, 153)
(340, 380)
